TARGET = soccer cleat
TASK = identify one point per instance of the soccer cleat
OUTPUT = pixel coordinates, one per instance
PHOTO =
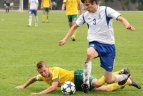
(125, 71)
(73, 39)
(85, 87)
(29, 25)
(134, 84)
(36, 24)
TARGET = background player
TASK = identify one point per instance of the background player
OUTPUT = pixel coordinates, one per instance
(72, 7)
(46, 5)
(33, 7)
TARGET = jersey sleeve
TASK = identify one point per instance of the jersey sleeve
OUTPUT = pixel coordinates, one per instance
(55, 77)
(81, 20)
(78, 1)
(112, 13)
(39, 77)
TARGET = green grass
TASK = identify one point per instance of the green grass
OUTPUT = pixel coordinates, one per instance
(21, 47)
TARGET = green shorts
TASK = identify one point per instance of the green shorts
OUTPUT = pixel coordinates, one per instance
(72, 18)
(46, 9)
(78, 80)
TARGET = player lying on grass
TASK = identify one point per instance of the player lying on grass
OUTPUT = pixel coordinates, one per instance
(56, 76)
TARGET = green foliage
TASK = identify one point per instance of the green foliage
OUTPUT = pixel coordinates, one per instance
(21, 47)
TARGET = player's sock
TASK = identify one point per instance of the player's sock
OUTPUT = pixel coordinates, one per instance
(114, 86)
(46, 17)
(120, 77)
(101, 80)
(30, 20)
(73, 36)
(87, 71)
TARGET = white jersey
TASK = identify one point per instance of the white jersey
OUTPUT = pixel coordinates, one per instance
(100, 27)
(33, 4)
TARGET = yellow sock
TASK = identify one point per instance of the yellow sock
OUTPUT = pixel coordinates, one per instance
(43, 17)
(114, 86)
(101, 80)
(73, 36)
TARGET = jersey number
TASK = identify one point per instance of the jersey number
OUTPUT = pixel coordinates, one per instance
(94, 21)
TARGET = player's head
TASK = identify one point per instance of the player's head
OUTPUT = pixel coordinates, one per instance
(90, 5)
(43, 69)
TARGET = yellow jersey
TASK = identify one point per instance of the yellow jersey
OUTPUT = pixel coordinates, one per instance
(46, 3)
(59, 74)
(71, 6)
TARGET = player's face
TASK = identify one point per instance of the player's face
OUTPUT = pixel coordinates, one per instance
(90, 7)
(44, 71)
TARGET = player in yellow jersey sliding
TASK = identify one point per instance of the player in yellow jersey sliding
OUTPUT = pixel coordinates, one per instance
(56, 76)
(46, 6)
(72, 7)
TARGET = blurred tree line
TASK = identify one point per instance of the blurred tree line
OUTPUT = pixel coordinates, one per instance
(125, 4)
(116, 4)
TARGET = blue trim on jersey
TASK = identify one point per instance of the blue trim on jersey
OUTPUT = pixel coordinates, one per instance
(88, 25)
(107, 18)
(83, 18)
(106, 54)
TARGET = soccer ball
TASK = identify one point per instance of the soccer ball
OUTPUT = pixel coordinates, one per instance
(68, 88)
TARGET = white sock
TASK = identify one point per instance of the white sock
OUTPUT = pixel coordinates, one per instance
(87, 72)
(121, 77)
(36, 20)
(30, 20)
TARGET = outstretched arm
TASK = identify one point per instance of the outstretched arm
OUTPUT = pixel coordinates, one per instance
(125, 23)
(69, 34)
(52, 88)
(29, 82)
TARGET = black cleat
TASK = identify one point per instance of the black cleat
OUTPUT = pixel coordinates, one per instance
(125, 71)
(73, 39)
(135, 84)
(85, 87)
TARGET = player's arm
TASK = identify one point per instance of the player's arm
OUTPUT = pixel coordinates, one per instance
(26, 84)
(63, 6)
(50, 3)
(125, 23)
(69, 34)
(52, 88)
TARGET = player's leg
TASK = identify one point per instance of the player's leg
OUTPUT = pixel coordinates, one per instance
(30, 17)
(91, 53)
(74, 17)
(36, 17)
(47, 14)
(44, 15)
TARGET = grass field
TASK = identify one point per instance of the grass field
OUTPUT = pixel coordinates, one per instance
(21, 47)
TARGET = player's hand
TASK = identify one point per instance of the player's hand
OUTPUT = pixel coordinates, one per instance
(20, 87)
(130, 27)
(62, 42)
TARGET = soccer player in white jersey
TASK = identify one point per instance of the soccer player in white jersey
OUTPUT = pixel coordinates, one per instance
(33, 7)
(100, 38)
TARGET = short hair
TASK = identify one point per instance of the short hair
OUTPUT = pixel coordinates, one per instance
(90, 1)
(40, 64)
